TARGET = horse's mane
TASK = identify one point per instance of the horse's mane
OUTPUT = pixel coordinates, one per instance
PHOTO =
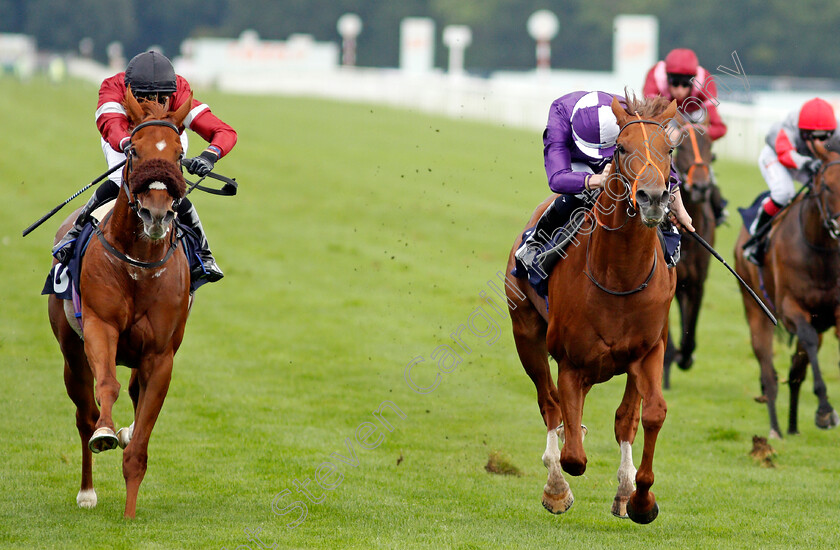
(158, 170)
(646, 107)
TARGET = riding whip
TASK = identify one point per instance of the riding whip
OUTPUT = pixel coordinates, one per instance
(50, 214)
(714, 253)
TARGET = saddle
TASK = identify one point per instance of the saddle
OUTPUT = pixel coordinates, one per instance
(555, 250)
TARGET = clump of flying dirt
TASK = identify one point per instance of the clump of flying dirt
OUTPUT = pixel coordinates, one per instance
(500, 464)
(762, 452)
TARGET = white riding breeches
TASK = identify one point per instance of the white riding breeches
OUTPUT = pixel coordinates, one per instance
(779, 178)
(115, 157)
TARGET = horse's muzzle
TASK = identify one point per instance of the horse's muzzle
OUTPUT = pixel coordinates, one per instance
(651, 205)
(156, 224)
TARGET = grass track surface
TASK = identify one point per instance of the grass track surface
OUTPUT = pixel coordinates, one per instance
(361, 239)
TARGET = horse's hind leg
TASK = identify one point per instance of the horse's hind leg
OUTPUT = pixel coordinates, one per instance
(529, 331)
(809, 340)
(690, 308)
(125, 433)
(647, 376)
(798, 370)
(78, 380)
(626, 425)
(154, 376)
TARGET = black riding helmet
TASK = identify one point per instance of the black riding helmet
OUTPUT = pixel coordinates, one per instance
(150, 73)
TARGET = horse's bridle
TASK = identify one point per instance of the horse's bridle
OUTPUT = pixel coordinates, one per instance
(133, 204)
(129, 156)
(829, 219)
(698, 159)
(631, 190)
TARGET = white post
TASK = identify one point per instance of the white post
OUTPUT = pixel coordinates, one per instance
(457, 38)
(543, 26)
(349, 26)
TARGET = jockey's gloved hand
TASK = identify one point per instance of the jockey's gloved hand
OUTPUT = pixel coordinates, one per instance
(813, 166)
(202, 164)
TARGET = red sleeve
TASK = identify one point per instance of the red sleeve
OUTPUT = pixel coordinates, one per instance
(717, 129)
(650, 89)
(203, 122)
(111, 119)
(784, 149)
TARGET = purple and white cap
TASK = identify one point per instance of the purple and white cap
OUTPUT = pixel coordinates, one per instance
(594, 127)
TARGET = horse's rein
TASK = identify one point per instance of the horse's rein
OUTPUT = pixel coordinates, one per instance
(698, 159)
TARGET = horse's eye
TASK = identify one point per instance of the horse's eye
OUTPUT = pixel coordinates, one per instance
(619, 148)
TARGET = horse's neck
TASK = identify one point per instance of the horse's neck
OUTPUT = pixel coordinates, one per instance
(811, 224)
(621, 239)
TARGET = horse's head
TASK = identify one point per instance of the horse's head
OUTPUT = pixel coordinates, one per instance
(827, 188)
(693, 161)
(642, 157)
(155, 182)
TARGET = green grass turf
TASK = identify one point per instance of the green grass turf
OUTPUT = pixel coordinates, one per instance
(361, 239)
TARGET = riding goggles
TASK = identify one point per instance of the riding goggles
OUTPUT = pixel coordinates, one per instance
(819, 135)
(680, 80)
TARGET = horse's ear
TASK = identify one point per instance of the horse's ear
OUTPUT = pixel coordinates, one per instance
(182, 112)
(670, 111)
(820, 150)
(133, 108)
(619, 112)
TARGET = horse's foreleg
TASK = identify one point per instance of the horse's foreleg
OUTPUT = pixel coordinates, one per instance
(798, 369)
(826, 417)
(626, 425)
(647, 376)
(101, 350)
(761, 337)
(690, 308)
(154, 376)
(572, 396)
(557, 495)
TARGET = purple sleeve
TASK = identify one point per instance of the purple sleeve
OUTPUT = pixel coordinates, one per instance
(674, 179)
(558, 158)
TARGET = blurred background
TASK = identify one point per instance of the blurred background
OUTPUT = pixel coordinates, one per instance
(498, 60)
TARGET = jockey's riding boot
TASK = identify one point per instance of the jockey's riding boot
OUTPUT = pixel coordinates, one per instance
(552, 218)
(718, 205)
(207, 269)
(63, 251)
(754, 248)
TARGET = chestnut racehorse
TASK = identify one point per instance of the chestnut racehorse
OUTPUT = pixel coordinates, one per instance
(800, 278)
(607, 314)
(135, 299)
(693, 162)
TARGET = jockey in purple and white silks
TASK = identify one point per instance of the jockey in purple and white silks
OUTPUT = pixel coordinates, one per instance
(579, 142)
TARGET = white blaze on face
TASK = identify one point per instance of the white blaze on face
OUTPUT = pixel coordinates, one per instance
(157, 185)
(161, 145)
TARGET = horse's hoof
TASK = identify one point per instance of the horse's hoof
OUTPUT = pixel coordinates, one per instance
(557, 504)
(686, 364)
(645, 518)
(619, 507)
(827, 421)
(124, 435)
(86, 498)
(103, 439)
(774, 434)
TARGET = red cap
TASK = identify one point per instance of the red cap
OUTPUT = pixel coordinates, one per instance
(817, 114)
(681, 61)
